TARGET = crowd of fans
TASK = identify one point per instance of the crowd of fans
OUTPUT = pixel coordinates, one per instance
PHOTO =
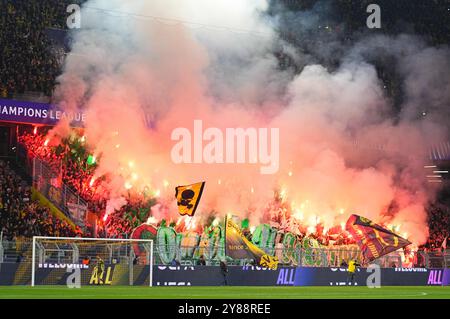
(120, 223)
(27, 58)
(439, 226)
(36, 145)
(20, 216)
(116, 226)
(67, 160)
(29, 61)
(64, 159)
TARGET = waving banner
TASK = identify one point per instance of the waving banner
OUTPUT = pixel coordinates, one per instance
(188, 197)
(239, 247)
(373, 240)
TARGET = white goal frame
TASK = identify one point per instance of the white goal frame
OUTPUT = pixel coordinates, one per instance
(33, 258)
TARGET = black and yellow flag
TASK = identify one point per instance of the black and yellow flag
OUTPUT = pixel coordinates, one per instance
(373, 240)
(188, 197)
(237, 246)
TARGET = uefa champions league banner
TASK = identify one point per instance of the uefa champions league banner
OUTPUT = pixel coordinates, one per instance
(37, 113)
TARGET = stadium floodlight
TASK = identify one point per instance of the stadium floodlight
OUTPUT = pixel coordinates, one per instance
(76, 261)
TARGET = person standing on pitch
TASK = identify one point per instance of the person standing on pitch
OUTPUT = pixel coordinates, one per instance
(100, 270)
(224, 271)
(351, 271)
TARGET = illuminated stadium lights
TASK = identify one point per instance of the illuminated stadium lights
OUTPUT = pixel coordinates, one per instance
(436, 175)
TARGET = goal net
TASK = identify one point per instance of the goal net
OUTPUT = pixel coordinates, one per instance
(75, 262)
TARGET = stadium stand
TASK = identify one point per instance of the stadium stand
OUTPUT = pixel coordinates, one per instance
(28, 62)
(120, 223)
(20, 216)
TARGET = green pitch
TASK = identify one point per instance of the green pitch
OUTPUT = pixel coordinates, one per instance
(123, 292)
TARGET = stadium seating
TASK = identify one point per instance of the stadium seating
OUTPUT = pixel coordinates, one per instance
(20, 216)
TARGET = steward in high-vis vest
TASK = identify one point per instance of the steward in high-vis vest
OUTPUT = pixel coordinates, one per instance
(351, 271)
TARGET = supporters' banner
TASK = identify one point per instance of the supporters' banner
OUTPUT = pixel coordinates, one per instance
(37, 113)
(144, 231)
(78, 211)
(188, 197)
(373, 240)
(237, 246)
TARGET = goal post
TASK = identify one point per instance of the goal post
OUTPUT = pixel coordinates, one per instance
(77, 261)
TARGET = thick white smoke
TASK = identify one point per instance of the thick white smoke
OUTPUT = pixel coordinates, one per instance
(143, 68)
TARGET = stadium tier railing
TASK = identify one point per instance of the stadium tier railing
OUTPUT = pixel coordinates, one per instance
(48, 182)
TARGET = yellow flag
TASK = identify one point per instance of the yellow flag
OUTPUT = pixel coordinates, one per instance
(188, 197)
(237, 246)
